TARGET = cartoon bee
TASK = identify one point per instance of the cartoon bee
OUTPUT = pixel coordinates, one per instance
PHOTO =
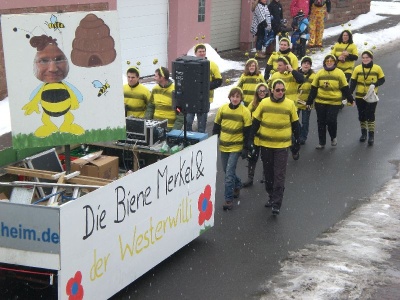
(54, 24)
(103, 87)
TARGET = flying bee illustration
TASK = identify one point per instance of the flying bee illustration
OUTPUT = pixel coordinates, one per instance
(102, 87)
(54, 24)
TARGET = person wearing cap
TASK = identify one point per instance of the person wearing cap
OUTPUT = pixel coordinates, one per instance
(136, 95)
(260, 25)
(346, 53)
(285, 51)
(200, 51)
(262, 92)
(328, 89)
(366, 76)
(249, 80)
(275, 121)
(303, 92)
(319, 10)
(232, 124)
(160, 106)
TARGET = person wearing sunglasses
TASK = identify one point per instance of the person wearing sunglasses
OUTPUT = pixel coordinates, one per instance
(274, 122)
(328, 89)
(262, 92)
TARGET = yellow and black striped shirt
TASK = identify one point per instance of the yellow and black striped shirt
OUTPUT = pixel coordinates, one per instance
(136, 99)
(248, 84)
(232, 122)
(329, 84)
(365, 78)
(276, 123)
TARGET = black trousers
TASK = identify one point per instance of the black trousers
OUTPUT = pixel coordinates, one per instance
(326, 119)
(274, 163)
(366, 111)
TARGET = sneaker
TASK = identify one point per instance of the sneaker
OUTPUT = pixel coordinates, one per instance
(247, 183)
(334, 142)
(296, 156)
(228, 205)
(275, 211)
(268, 204)
(236, 193)
(319, 147)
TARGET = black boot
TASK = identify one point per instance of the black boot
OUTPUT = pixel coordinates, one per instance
(371, 135)
(250, 174)
(363, 136)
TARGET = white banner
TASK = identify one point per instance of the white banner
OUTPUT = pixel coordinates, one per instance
(113, 235)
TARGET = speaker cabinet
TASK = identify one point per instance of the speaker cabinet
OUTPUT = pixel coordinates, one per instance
(192, 84)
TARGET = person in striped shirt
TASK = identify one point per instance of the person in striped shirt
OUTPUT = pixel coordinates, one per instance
(274, 122)
(232, 124)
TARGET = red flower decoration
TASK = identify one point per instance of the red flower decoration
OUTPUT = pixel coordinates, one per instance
(205, 205)
(74, 289)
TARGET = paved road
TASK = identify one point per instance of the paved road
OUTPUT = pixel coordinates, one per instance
(243, 250)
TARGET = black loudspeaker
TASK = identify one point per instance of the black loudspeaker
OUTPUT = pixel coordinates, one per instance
(192, 84)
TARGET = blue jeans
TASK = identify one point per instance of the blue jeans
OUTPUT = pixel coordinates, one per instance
(232, 182)
(201, 121)
(305, 122)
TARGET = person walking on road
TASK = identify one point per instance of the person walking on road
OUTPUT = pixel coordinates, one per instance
(365, 79)
(232, 124)
(346, 53)
(302, 96)
(284, 50)
(249, 80)
(262, 92)
(274, 122)
(328, 88)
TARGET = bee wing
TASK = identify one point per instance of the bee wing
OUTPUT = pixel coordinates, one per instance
(53, 19)
(77, 93)
(97, 84)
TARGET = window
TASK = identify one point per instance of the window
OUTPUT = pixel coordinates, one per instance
(202, 11)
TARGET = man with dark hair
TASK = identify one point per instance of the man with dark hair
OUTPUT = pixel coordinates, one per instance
(136, 95)
(215, 82)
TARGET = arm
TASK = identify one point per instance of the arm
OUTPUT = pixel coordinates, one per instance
(254, 128)
(352, 57)
(312, 95)
(346, 93)
(150, 108)
(299, 77)
(267, 72)
(215, 83)
(380, 82)
(328, 6)
(246, 136)
(216, 129)
(353, 85)
(296, 131)
(178, 121)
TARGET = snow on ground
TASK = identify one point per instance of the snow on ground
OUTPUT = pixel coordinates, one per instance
(350, 260)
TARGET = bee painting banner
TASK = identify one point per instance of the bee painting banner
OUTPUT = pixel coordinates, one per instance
(63, 77)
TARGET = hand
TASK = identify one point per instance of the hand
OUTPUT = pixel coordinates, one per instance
(295, 147)
(244, 153)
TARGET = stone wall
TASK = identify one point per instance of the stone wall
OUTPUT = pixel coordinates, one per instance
(41, 9)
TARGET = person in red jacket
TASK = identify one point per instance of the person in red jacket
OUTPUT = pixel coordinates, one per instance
(297, 5)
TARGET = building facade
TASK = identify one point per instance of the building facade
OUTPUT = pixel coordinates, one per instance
(155, 32)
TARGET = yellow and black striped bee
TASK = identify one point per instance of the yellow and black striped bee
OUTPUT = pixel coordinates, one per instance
(54, 24)
(102, 87)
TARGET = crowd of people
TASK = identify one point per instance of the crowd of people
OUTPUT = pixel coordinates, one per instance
(268, 114)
